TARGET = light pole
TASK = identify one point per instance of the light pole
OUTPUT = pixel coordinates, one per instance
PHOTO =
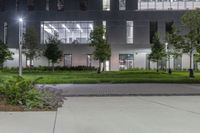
(168, 59)
(21, 23)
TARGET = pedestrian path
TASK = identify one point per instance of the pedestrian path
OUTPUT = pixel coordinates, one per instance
(127, 89)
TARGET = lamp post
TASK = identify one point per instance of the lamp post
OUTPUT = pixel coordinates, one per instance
(21, 21)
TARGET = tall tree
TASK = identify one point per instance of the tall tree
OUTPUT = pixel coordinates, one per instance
(31, 45)
(190, 41)
(5, 53)
(191, 20)
(102, 50)
(52, 51)
(174, 40)
(157, 50)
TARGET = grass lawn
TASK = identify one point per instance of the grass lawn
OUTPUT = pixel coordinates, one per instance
(106, 77)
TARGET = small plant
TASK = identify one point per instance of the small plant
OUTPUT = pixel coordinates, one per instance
(21, 92)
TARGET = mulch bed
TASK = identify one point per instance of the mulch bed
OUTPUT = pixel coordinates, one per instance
(14, 108)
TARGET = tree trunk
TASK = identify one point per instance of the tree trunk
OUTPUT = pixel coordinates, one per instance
(1, 66)
(31, 62)
(157, 67)
(191, 72)
(169, 66)
(53, 67)
(99, 69)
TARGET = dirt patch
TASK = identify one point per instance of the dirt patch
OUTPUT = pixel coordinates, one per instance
(14, 108)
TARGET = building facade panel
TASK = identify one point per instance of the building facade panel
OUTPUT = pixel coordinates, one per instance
(116, 20)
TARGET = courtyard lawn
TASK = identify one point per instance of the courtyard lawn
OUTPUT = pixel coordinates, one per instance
(84, 77)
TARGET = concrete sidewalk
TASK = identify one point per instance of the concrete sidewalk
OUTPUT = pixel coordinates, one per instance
(163, 114)
(127, 89)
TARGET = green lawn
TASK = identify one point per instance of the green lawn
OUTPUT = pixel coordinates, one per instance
(107, 77)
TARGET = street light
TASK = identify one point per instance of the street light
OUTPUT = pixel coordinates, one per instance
(21, 23)
(168, 58)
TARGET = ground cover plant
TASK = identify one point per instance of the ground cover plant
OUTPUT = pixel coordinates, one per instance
(88, 76)
(19, 94)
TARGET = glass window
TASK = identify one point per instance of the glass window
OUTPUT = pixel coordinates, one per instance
(2, 5)
(129, 30)
(169, 27)
(89, 60)
(69, 32)
(122, 5)
(68, 60)
(153, 30)
(47, 5)
(105, 28)
(5, 32)
(83, 5)
(106, 5)
(60, 5)
(178, 63)
(126, 61)
(168, 4)
(30, 5)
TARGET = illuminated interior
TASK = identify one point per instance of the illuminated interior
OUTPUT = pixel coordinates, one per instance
(69, 32)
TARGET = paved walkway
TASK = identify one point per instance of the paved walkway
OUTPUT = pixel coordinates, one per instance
(163, 114)
(127, 89)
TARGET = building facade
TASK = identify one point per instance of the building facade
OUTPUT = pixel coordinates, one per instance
(130, 26)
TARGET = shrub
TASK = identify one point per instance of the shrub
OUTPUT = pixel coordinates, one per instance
(46, 68)
(22, 92)
(52, 98)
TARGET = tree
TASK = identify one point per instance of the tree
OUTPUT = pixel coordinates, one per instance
(190, 41)
(157, 50)
(192, 38)
(102, 50)
(52, 51)
(174, 41)
(31, 45)
(5, 53)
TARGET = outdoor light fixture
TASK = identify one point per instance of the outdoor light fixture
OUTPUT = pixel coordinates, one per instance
(20, 19)
(21, 26)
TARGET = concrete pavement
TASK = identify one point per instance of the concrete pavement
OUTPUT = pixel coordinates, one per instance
(129, 115)
(127, 89)
(27, 122)
(163, 114)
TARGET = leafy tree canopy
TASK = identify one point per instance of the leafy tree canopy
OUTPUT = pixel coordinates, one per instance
(5, 54)
(52, 51)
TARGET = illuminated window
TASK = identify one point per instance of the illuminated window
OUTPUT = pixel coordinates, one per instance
(122, 5)
(129, 30)
(106, 5)
(89, 60)
(168, 4)
(68, 60)
(105, 28)
(126, 61)
(69, 32)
